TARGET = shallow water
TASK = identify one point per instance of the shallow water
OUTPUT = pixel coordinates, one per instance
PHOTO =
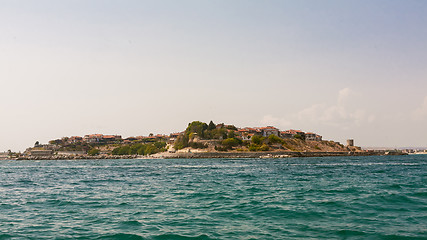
(294, 198)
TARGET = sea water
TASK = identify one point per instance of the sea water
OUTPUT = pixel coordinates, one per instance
(294, 198)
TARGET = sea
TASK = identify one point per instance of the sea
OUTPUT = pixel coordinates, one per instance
(375, 197)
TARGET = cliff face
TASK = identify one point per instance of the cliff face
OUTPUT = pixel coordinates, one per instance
(287, 145)
(314, 146)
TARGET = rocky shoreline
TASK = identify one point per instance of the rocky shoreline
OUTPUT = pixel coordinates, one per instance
(167, 155)
(275, 154)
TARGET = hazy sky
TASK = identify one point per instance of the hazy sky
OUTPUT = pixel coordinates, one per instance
(344, 69)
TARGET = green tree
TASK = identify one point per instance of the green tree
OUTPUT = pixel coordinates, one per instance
(125, 150)
(231, 134)
(134, 148)
(115, 151)
(181, 141)
(231, 127)
(150, 149)
(141, 150)
(196, 127)
(272, 139)
(264, 147)
(257, 139)
(160, 144)
(211, 126)
(93, 152)
(253, 147)
(229, 143)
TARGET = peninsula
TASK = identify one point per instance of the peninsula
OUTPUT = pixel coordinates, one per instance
(198, 140)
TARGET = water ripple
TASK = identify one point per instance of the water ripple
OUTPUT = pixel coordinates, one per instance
(294, 198)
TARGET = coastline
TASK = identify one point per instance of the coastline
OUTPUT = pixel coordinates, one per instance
(275, 154)
(199, 140)
(243, 155)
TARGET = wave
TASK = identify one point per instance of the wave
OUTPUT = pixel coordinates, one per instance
(7, 236)
(322, 198)
(131, 223)
(122, 236)
(180, 237)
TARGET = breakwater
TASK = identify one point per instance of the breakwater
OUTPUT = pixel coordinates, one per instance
(76, 157)
(276, 154)
(168, 155)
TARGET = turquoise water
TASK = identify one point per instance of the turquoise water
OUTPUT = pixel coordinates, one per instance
(294, 198)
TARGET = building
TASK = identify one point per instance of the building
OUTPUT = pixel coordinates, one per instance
(292, 133)
(93, 138)
(75, 139)
(244, 134)
(247, 137)
(132, 139)
(247, 133)
(255, 130)
(173, 137)
(312, 137)
(269, 130)
(111, 138)
(4, 155)
(286, 135)
(41, 153)
(162, 137)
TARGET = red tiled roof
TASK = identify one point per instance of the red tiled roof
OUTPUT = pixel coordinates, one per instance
(292, 131)
(111, 136)
(269, 127)
(94, 135)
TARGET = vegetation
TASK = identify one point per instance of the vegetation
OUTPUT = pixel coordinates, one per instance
(219, 148)
(231, 134)
(273, 139)
(197, 135)
(257, 147)
(93, 152)
(202, 131)
(197, 145)
(297, 136)
(211, 126)
(78, 146)
(227, 139)
(181, 141)
(198, 128)
(231, 127)
(140, 149)
(229, 143)
(257, 139)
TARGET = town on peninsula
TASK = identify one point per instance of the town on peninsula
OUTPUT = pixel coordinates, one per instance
(198, 140)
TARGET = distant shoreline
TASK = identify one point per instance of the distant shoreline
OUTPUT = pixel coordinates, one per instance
(275, 154)
(242, 155)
